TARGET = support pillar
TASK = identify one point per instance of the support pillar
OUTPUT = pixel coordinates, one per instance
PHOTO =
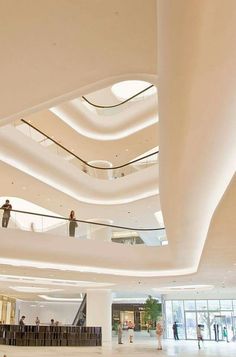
(98, 311)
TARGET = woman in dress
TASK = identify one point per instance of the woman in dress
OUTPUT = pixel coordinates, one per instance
(73, 224)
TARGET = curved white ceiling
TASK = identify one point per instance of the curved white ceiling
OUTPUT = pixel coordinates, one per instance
(135, 117)
(26, 155)
(56, 62)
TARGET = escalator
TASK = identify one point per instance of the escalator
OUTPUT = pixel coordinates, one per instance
(80, 317)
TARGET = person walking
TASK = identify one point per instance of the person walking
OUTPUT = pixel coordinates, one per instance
(73, 224)
(159, 333)
(199, 336)
(225, 334)
(120, 332)
(7, 207)
(131, 331)
(175, 331)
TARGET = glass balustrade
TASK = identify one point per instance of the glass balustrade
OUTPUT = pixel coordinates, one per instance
(60, 226)
(102, 170)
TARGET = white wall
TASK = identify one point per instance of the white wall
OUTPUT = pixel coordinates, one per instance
(63, 312)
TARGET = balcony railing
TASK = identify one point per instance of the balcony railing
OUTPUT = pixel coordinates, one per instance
(83, 229)
(101, 169)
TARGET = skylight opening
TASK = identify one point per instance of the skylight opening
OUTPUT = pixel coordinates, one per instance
(126, 89)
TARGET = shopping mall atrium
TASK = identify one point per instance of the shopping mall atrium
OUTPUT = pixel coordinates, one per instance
(117, 157)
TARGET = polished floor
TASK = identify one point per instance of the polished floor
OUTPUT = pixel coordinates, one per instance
(143, 346)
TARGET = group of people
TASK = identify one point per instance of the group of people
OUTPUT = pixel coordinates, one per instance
(130, 329)
(37, 321)
(7, 207)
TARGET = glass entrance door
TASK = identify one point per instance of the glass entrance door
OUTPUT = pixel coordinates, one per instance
(191, 325)
(217, 327)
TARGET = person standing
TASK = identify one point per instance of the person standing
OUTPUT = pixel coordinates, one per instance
(175, 331)
(159, 333)
(37, 321)
(7, 207)
(73, 224)
(131, 331)
(216, 332)
(22, 321)
(199, 336)
(120, 331)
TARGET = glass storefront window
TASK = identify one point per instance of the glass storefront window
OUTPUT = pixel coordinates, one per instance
(191, 325)
(178, 316)
(203, 319)
(214, 305)
(169, 319)
(189, 305)
(201, 304)
(226, 304)
(209, 313)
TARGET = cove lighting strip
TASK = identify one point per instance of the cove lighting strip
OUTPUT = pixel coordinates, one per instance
(95, 270)
(46, 281)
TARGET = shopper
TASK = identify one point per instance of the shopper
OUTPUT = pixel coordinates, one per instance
(159, 333)
(225, 334)
(216, 332)
(199, 336)
(120, 332)
(73, 224)
(175, 331)
(7, 207)
(131, 331)
(22, 321)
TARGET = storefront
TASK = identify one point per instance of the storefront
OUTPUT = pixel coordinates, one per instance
(212, 315)
(128, 312)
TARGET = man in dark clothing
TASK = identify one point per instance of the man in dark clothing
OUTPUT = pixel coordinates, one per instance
(216, 332)
(6, 213)
(175, 331)
(21, 322)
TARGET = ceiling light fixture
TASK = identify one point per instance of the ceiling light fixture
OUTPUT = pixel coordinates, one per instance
(94, 269)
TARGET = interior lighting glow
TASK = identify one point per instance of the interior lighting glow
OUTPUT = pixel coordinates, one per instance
(46, 281)
(95, 270)
(126, 89)
(184, 288)
(159, 217)
(93, 133)
(33, 289)
(49, 298)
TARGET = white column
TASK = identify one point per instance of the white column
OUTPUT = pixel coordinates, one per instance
(102, 233)
(98, 311)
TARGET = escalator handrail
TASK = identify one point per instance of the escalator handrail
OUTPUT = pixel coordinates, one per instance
(88, 222)
(82, 160)
(117, 105)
